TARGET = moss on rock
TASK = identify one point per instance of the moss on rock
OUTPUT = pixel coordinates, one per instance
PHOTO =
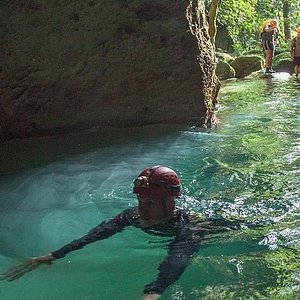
(224, 70)
(245, 65)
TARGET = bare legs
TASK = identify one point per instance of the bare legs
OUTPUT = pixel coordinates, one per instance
(297, 70)
(269, 59)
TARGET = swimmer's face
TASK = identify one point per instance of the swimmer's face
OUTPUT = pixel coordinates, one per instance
(152, 207)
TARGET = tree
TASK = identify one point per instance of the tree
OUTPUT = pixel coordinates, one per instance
(244, 17)
(212, 17)
(198, 24)
(286, 19)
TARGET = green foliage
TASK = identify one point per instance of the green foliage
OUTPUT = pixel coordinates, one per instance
(243, 19)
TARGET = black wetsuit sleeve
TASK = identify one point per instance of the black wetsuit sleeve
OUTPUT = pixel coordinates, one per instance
(188, 239)
(179, 255)
(103, 231)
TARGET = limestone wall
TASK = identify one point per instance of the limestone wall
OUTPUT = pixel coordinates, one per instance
(70, 65)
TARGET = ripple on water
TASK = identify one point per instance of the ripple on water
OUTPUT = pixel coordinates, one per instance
(246, 168)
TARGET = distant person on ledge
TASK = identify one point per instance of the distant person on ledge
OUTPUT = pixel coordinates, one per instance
(269, 39)
(156, 189)
(295, 52)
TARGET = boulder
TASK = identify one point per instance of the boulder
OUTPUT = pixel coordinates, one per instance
(223, 39)
(245, 65)
(222, 56)
(224, 70)
(283, 63)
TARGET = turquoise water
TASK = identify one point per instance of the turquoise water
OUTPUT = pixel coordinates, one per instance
(54, 190)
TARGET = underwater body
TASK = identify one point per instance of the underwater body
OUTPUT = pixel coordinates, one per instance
(54, 190)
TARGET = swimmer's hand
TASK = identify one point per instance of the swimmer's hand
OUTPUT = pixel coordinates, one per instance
(31, 264)
(150, 297)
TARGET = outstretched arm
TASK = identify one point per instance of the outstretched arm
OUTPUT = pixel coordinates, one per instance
(102, 231)
(29, 265)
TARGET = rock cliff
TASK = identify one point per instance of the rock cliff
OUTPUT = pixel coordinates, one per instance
(72, 65)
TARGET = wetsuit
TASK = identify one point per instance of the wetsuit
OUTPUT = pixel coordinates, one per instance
(187, 228)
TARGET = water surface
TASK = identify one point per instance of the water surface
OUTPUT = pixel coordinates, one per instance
(55, 189)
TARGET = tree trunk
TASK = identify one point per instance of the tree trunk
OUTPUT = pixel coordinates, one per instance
(286, 19)
(212, 18)
(199, 27)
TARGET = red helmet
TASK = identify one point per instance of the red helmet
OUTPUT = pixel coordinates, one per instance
(157, 180)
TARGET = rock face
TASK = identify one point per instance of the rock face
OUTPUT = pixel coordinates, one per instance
(223, 39)
(71, 65)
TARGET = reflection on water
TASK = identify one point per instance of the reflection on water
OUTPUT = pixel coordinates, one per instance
(55, 189)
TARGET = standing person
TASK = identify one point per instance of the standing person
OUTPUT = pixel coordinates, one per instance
(269, 37)
(295, 52)
(156, 189)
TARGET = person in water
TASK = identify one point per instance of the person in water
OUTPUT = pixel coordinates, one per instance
(269, 38)
(156, 213)
(295, 52)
